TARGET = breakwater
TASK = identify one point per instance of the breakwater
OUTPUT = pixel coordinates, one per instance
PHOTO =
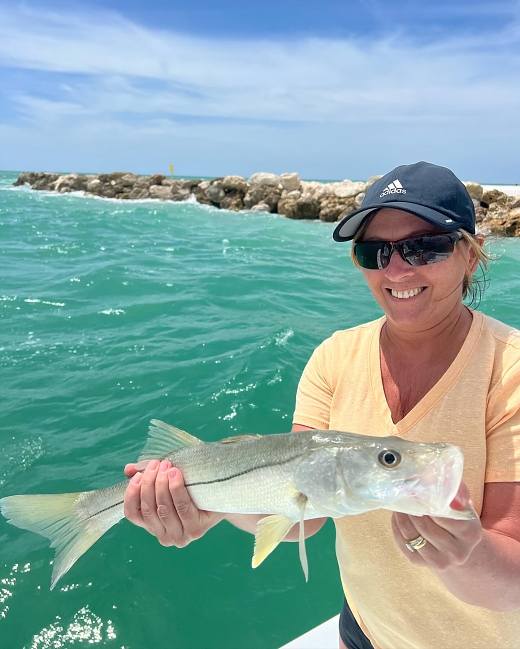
(286, 194)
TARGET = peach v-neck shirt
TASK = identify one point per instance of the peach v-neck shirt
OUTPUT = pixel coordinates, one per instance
(476, 406)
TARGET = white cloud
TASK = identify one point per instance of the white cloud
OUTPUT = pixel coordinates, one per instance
(122, 78)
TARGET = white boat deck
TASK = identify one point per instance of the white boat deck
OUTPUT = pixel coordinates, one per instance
(324, 636)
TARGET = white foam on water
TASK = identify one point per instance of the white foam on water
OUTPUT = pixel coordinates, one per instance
(113, 312)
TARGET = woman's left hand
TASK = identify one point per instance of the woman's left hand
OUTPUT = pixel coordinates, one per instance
(449, 542)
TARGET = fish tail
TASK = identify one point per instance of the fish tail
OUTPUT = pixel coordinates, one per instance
(73, 522)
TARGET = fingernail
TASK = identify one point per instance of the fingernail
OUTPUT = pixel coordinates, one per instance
(152, 466)
(136, 479)
(172, 473)
(164, 466)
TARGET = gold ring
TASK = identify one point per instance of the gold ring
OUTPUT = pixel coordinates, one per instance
(416, 544)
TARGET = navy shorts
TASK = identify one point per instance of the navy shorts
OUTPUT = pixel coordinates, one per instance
(350, 631)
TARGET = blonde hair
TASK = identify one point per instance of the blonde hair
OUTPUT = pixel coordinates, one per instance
(471, 287)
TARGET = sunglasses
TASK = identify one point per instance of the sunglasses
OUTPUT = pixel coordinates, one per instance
(419, 251)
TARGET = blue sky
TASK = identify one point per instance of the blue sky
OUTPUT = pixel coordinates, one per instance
(331, 89)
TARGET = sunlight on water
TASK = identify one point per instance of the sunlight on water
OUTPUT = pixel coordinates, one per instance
(86, 626)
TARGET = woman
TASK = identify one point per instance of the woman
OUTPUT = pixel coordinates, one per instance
(430, 370)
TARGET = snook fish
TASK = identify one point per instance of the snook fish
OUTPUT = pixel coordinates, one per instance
(291, 477)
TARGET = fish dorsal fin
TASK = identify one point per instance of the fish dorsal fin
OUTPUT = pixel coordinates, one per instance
(163, 439)
(270, 531)
(237, 439)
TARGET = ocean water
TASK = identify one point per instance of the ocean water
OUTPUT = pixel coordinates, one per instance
(114, 313)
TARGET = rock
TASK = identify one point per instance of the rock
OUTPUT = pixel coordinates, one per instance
(474, 190)
(65, 184)
(25, 178)
(138, 192)
(199, 191)
(349, 189)
(215, 192)
(234, 183)
(372, 180)
(93, 185)
(494, 196)
(333, 208)
(515, 202)
(271, 180)
(359, 199)
(480, 214)
(287, 206)
(271, 197)
(128, 180)
(303, 208)
(190, 184)
(160, 192)
(254, 195)
(45, 182)
(290, 182)
(156, 179)
(233, 202)
(181, 194)
(260, 207)
(500, 220)
(294, 194)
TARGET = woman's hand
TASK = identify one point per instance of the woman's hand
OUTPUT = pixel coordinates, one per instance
(449, 542)
(157, 500)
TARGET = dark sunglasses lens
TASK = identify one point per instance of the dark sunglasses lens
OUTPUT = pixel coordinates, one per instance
(427, 250)
(372, 255)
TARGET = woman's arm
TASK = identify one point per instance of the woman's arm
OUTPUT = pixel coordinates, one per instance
(478, 561)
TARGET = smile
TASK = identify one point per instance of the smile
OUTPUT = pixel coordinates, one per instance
(406, 294)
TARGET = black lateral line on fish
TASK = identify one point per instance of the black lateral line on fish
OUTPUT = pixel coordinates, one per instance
(195, 484)
(121, 502)
(237, 475)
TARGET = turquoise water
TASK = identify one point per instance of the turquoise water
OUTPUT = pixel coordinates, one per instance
(114, 313)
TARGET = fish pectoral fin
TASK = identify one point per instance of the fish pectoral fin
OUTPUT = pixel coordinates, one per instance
(163, 439)
(302, 502)
(238, 438)
(270, 531)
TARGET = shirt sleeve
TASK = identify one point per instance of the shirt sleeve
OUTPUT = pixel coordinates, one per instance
(315, 391)
(503, 429)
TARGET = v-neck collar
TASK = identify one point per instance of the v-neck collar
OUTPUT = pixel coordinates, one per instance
(432, 397)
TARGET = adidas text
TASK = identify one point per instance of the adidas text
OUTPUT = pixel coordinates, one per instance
(393, 188)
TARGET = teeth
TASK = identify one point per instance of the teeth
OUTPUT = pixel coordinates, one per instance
(406, 294)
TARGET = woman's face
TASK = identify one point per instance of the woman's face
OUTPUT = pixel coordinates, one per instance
(434, 290)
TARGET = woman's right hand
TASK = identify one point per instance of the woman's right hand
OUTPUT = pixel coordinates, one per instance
(157, 500)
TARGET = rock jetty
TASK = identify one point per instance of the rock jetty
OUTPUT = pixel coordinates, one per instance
(287, 194)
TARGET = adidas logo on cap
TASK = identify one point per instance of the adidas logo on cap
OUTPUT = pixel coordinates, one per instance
(393, 188)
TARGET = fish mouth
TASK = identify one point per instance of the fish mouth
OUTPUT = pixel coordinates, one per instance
(432, 490)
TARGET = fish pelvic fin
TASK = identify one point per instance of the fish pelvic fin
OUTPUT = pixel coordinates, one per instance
(164, 439)
(302, 501)
(270, 531)
(73, 522)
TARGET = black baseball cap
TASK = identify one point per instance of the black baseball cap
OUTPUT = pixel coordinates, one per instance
(428, 191)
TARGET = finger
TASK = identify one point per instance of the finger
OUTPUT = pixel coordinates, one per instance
(132, 502)
(189, 515)
(406, 526)
(148, 501)
(166, 509)
(401, 540)
(130, 470)
(462, 498)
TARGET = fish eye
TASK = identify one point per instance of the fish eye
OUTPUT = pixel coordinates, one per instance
(389, 459)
